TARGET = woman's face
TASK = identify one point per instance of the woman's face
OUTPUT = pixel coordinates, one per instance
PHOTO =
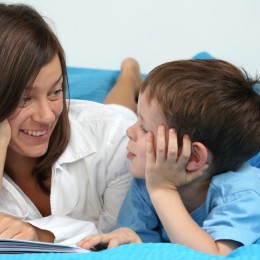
(40, 106)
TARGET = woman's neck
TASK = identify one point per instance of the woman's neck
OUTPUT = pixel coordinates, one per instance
(18, 166)
(20, 169)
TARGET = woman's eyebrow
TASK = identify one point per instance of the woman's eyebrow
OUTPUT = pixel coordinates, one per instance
(58, 80)
(53, 85)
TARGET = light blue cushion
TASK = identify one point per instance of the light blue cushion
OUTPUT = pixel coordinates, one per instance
(90, 84)
(203, 56)
(94, 84)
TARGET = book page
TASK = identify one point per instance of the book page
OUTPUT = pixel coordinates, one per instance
(14, 246)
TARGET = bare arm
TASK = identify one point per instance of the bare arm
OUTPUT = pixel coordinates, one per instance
(13, 228)
(5, 136)
(165, 173)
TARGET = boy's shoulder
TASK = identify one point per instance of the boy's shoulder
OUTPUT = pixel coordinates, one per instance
(245, 178)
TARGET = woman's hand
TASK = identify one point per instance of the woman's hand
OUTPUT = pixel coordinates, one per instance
(13, 228)
(5, 137)
(5, 133)
(115, 238)
(166, 165)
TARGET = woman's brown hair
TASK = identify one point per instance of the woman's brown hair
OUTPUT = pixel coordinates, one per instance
(27, 43)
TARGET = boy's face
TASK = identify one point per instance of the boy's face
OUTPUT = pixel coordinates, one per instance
(150, 116)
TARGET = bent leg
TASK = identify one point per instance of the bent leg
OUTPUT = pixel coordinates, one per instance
(126, 89)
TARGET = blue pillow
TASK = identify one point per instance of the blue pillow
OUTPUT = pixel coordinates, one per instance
(94, 84)
(203, 56)
(90, 84)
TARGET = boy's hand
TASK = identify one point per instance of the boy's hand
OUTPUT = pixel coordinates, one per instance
(13, 228)
(166, 167)
(115, 238)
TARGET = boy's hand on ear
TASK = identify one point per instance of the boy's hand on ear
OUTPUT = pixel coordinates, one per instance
(166, 166)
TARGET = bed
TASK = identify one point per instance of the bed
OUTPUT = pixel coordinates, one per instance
(93, 84)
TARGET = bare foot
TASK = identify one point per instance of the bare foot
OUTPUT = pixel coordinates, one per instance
(130, 68)
(126, 90)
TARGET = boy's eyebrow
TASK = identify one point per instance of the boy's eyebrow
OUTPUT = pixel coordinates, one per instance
(141, 117)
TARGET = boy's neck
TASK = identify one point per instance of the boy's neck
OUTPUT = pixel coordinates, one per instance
(194, 194)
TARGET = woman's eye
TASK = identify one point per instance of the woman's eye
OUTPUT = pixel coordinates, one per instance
(55, 94)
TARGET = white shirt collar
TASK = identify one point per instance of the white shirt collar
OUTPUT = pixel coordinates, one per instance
(80, 145)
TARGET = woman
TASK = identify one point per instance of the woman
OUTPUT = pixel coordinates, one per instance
(63, 167)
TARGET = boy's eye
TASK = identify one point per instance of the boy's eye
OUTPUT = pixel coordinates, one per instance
(143, 130)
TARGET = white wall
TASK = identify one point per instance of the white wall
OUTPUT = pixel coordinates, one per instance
(100, 33)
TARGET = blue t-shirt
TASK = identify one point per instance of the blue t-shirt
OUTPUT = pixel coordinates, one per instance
(231, 210)
(255, 161)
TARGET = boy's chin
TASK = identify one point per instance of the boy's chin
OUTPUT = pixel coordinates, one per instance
(138, 175)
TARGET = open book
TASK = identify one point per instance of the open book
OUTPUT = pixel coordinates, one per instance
(13, 246)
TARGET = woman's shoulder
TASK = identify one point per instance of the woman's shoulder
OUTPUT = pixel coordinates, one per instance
(88, 110)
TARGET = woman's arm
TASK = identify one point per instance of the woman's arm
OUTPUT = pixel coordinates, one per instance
(5, 136)
(14, 228)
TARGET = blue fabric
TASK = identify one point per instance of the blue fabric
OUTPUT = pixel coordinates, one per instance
(255, 161)
(231, 209)
(94, 84)
(203, 55)
(90, 84)
(232, 206)
(162, 251)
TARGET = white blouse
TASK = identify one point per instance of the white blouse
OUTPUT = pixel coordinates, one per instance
(89, 180)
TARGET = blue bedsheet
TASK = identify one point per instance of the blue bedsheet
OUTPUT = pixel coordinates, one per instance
(162, 251)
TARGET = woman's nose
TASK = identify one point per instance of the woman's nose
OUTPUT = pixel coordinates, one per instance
(43, 112)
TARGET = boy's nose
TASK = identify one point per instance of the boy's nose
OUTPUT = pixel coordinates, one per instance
(130, 132)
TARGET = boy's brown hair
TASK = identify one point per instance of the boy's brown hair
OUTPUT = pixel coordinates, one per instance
(214, 103)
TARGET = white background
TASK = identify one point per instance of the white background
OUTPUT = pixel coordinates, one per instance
(100, 33)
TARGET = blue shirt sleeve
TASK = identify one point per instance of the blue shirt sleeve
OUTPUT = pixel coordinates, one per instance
(232, 206)
(138, 213)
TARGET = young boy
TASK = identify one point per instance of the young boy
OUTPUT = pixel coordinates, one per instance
(198, 123)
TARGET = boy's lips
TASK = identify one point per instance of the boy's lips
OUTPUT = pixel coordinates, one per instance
(130, 155)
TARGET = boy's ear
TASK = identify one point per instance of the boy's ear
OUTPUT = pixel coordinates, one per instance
(199, 157)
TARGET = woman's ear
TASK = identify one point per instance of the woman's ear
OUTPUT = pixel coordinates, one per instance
(199, 157)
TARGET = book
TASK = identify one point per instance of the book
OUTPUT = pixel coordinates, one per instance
(14, 246)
